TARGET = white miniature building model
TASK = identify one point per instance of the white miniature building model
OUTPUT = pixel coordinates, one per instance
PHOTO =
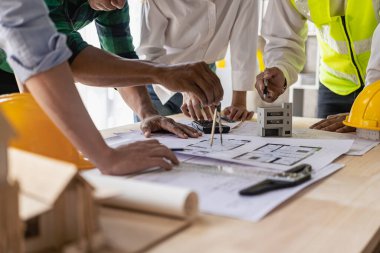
(10, 225)
(275, 121)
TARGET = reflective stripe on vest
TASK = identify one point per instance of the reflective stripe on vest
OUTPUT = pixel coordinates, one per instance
(344, 42)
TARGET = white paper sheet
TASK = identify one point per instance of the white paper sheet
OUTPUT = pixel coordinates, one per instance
(359, 147)
(276, 153)
(143, 196)
(218, 193)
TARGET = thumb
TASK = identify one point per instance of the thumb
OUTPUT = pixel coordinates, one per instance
(147, 133)
(226, 111)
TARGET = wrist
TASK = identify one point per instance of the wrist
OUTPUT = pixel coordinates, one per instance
(239, 98)
(146, 113)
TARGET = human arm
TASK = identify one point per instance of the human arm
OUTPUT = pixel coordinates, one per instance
(39, 62)
(373, 68)
(285, 33)
(243, 46)
(53, 88)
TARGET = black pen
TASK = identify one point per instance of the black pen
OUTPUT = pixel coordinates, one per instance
(265, 88)
(178, 149)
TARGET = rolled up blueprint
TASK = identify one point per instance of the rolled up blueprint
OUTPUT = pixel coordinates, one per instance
(143, 196)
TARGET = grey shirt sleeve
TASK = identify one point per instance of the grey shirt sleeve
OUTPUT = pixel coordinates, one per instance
(29, 38)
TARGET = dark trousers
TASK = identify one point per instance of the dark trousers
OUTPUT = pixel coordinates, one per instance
(8, 83)
(330, 103)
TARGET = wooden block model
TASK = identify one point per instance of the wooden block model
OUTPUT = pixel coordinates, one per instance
(57, 205)
(275, 121)
(10, 224)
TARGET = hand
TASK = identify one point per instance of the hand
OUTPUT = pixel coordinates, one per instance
(138, 156)
(106, 5)
(160, 123)
(195, 78)
(334, 123)
(238, 112)
(192, 107)
(276, 84)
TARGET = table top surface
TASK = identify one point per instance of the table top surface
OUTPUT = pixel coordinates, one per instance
(338, 214)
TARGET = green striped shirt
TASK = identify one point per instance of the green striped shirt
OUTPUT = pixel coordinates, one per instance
(70, 16)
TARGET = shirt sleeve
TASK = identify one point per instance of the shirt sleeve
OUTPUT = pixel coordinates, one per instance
(29, 38)
(57, 13)
(285, 33)
(114, 33)
(373, 68)
(153, 26)
(243, 44)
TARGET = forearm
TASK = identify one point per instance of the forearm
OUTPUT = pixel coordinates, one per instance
(55, 92)
(96, 67)
(138, 99)
(285, 37)
(239, 98)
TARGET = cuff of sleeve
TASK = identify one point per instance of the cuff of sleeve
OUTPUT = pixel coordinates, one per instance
(289, 80)
(56, 54)
(243, 80)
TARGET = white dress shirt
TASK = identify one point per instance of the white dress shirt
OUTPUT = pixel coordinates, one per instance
(29, 38)
(285, 32)
(177, 31)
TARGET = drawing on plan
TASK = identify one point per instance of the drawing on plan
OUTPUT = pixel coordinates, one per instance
(203, 147)
(279, 154)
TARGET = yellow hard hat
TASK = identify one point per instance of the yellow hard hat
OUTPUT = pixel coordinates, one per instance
(36, 132)
(365, 112)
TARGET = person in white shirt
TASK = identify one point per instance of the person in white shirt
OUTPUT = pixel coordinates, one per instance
(345, 36)
(177, 31)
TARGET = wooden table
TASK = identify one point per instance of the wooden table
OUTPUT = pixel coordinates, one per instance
(339, 214)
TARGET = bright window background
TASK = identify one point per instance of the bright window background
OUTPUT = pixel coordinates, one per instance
(106, 107)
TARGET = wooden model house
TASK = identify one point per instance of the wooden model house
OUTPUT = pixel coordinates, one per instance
(10, 225)
(56, 203)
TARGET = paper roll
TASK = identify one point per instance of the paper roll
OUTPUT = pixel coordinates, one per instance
(143, 196)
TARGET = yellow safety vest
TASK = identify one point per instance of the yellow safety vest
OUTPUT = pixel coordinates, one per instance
(344, 42)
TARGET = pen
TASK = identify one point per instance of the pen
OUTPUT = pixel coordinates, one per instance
(265, 88)
(178, 149)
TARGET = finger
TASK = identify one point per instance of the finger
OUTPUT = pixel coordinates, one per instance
(244, 115)
(250, 115)
(173, 128)
(189, 130)
(233, 113)
(198, 110)
(185, 110)
(238, 115)
(215, 82)
(146, 131)
(107, 6)
(158, 162)
(207, 89)
(333, 127)
(198, 92)
(260, 87)
(118, 3)
(164, 152)
(226, 111)
(324, 123)
(346, 129)
(191, 111)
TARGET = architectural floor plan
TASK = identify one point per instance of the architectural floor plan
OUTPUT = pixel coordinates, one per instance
(279, 154)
